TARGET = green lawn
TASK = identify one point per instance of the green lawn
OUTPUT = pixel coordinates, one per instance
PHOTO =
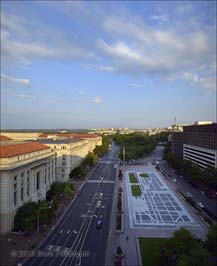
(150, 250)
(136, 190)
(144, 175)
(133, 179)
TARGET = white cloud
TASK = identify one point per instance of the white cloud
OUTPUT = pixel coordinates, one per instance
(160, 18)
(96, 100)
(20, 81)
(106, 68)
(136, 85)
(22, 96)
(141, 49)
(190, 76)
(24, 40)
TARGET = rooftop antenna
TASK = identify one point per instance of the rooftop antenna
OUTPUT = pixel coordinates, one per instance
(174, 125)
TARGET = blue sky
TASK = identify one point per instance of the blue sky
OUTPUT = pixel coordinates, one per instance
(93, 64)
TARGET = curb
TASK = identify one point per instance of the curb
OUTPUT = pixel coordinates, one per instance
(138, 251)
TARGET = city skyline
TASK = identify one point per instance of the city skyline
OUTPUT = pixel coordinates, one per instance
(102, 65)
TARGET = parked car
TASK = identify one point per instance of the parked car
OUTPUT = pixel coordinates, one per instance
(99, 224)
(200, 204)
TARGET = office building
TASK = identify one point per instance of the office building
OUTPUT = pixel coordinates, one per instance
(197, 143)
(27, 170)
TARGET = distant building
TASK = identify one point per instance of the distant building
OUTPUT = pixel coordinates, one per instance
(93, 139)
(69, 153)
(22, 135)
(197, 143)
(26, 172)
(4, 138)
(200, 144)
(177, 140)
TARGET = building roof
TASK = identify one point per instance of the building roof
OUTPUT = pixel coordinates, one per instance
(58, 141)
(21, 148)
(4, 138)
(72, 135)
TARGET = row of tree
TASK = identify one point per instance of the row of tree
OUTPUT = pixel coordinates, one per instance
(191, 171)
(138, 145)
(183, 249)
(26, 215)
(91, 159)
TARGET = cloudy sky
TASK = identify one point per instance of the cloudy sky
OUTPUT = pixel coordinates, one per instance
(100, 64)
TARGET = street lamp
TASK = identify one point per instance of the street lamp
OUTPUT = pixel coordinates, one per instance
(38, 217)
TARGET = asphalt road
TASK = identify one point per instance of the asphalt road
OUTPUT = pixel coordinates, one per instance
(75, 240)
(186, 187)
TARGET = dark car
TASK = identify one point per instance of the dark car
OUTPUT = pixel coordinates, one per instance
(99, 224)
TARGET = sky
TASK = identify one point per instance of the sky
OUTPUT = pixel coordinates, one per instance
(72, 64)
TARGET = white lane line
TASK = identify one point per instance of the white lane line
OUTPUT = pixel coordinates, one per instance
(61, 231)
(68, 232)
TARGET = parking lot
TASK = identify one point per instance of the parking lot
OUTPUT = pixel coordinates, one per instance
(157, 205)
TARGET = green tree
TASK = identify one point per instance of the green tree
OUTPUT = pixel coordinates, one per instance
(212, 239)
(78, 171)
(90, 159)
(25, 215)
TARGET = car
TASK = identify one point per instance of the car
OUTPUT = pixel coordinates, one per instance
(200, 204)
(189, 195)
(99, 224)
(98, 203)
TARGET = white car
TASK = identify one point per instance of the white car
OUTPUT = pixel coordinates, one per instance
(200, 204)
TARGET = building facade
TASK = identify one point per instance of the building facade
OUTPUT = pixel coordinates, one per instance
(69, 153)
(197, 143)
(27, 171)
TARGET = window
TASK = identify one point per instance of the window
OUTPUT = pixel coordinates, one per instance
(15, 198)
(38, 180)
(15, 178)
(21, 193)
(27, 191)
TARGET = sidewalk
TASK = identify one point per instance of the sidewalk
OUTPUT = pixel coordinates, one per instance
(13, 246)
(115, 239)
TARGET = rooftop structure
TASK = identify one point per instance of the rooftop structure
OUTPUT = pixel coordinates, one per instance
(4, 138)
(7, 151)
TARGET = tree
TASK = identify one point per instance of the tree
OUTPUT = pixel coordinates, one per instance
(78, 171)
(183, 250)
(90, 159)
(212, 239)
(25, 216)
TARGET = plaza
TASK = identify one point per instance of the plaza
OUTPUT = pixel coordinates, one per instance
(156, 205)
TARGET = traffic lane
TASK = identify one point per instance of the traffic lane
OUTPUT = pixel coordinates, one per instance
(96, 241)
(71, 222)
(53, 237)
(99, 173)
(199, 197)
(91, 225)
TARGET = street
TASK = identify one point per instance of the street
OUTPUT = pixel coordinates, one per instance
(75, 240)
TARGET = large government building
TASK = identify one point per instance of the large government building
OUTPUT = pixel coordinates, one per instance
(31, 162)
(27, 171)
(197, 143)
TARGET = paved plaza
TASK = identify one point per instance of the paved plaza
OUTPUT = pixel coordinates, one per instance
(157, 206)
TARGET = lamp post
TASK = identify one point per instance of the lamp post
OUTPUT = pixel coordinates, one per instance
(123, 156)
(38, 217)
